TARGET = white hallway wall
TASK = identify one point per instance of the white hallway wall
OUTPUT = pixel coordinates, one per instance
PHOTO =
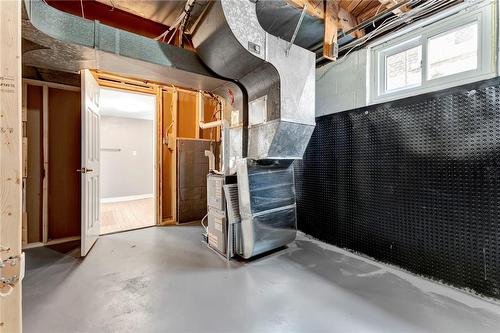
(130, 171)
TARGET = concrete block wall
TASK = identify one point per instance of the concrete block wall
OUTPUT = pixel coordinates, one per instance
(342, 86)
(345, 85)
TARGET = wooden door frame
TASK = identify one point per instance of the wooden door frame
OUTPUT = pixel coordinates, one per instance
(113, 81)
(45, 181)
(173, 170)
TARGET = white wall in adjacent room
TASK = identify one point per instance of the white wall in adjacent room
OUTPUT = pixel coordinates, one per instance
(127, 157)
(127, 145)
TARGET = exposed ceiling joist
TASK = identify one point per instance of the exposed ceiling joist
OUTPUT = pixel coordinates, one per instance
(390, 3)
(332, 25)
(335, 17)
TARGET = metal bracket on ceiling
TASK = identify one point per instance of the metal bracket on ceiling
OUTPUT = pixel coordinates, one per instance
(299, 23)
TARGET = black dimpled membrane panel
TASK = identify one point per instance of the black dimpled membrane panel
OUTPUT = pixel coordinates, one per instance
(415, 183)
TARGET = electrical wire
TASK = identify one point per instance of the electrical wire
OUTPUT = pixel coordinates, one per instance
(178, 21)
(205, 227)
(185, 21)
(366, 38)
(83, 12)
(376, 13)
(405, 16)
(388, 23)
(171, 37)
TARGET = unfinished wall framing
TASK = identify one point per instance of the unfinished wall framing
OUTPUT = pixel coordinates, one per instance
(11, 173)
(52, 177)
(177, 119)
(51, 135)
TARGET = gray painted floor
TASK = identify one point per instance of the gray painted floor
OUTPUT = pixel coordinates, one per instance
(165, 280)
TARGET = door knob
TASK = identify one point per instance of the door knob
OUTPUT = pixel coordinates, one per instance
(84, 170)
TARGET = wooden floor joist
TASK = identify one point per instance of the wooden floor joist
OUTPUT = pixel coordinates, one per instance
(332, 25)
(336, 18)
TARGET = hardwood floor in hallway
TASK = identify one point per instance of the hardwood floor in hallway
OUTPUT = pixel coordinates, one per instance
(127, 215)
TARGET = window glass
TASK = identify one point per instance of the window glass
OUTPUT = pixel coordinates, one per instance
(453, 52)
(404, 69)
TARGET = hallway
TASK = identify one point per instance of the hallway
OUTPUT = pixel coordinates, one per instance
(127, 215)
(164, 279)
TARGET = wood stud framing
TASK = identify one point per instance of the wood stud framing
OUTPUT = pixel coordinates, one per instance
(10, 158)
(25, 161)
(343, 15)
(111, 80)
(45, 163)
(332, 25)
(45, 154)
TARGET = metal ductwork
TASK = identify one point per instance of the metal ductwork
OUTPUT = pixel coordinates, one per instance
(278, 77)
(279, 81)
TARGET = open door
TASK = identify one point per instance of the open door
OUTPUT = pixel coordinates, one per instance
(90, 162)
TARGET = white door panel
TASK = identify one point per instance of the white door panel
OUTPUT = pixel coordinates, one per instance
(90, 169)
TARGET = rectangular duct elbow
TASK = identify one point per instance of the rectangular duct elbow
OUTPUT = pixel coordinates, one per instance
(279, 85)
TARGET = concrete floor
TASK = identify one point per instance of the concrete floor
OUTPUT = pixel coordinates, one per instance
(165, 280)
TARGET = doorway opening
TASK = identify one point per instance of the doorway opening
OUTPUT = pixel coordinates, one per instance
(128, 160)
(83, 155)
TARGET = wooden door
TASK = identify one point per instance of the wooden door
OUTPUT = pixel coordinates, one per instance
(90, 168)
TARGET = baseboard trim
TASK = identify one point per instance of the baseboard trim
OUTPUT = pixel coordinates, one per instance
(127, 198)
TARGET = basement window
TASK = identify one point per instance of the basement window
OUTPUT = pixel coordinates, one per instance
(404, 69)
(451, 51)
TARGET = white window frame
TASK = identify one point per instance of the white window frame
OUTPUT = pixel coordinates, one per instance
(486, 68)
(454, 29)
(382, 62)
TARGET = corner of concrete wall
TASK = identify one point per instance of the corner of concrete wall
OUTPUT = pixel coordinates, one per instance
(343, 85)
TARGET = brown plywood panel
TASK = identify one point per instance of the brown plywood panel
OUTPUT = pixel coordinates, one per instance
(64, 205)
(192, 170)
(186, 116)
(167, 155)
(34, 177)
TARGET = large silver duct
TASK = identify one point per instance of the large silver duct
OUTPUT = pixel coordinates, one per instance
(278, 79)
(279, 83)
